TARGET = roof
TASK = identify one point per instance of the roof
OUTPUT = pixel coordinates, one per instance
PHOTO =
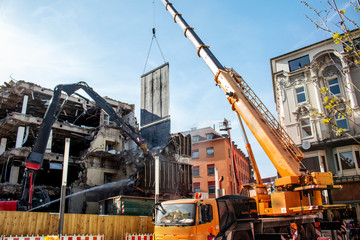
(309, 46)
(202, 132)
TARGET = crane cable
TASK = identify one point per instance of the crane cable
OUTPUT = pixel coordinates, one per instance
(152, 39)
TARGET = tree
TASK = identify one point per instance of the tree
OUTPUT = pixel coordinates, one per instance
(345, 31)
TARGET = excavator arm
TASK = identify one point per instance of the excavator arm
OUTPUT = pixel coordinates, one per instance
(34, 161)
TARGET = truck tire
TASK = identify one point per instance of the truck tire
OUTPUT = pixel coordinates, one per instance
(284, 230)
(310, 232)
(241, 235)
(301, 233)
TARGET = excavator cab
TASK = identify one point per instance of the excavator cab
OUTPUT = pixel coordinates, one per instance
(40, 197)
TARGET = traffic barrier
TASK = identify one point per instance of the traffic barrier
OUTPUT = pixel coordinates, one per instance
(146, 236)
(318, 232)
(341, 233)
(53, 237)
(25, 238)
(84, 237)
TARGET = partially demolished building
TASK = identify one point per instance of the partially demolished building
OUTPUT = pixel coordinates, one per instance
(100, 152)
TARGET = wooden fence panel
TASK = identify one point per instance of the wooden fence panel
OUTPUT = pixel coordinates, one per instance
(114, 227)
(54, 223)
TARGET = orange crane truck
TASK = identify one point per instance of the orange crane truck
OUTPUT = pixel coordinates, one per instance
(293, 210)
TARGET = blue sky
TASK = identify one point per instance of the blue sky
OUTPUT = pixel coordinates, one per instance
(105, 43)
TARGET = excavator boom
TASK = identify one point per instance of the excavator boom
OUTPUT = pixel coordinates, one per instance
(35, 159)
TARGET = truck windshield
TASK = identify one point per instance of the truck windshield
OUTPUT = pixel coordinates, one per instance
(175, 214)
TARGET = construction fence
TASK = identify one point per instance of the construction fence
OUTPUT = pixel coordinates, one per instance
(113, 227)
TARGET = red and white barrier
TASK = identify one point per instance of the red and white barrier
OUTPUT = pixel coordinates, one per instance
(318, 232)
(23, 238)
(139, 236)
(54, 237)
(86, 237)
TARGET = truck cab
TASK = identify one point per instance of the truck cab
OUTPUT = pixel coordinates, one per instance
(186, 219)
(203, 218)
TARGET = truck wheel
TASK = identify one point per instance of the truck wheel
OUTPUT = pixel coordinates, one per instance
(242, 235)
(284, 230)
(301, 233)
(310, 232)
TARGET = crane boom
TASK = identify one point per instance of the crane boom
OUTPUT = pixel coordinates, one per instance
(278, 146)
(295, 192)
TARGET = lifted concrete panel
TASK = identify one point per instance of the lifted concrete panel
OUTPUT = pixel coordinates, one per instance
(155, 94)
(155, 121)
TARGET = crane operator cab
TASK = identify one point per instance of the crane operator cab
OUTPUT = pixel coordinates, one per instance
(259, 193)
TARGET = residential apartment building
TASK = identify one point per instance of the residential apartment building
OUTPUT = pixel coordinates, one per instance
(212, 150)
(305, 81)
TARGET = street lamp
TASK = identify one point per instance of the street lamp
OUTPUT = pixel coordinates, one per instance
(226, 126)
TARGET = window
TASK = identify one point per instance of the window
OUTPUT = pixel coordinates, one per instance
(55, 165)
(347, 160)
(299, 63)
(311, 164)
(196, 186)
(300, 95)
(177, 215)
(209, 136)
(210, 169)
(196, 171)
(107, 120)
(334, 86)
(196, 138)
(210, 152)
(109, 146)
(356, 42)
(195, 153)
(108, 177)
(305, 128)
(229, 152)
(211, 187)
(357, 158)
(337, 162)
(341, 122)
(205, 213)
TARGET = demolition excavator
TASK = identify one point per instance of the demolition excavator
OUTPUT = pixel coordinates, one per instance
(34, 161)
(297, 200)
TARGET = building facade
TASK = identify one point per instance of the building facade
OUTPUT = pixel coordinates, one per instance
(317, 99)
(212, 150)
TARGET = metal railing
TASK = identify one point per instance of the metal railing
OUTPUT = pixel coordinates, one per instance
(279, 131)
